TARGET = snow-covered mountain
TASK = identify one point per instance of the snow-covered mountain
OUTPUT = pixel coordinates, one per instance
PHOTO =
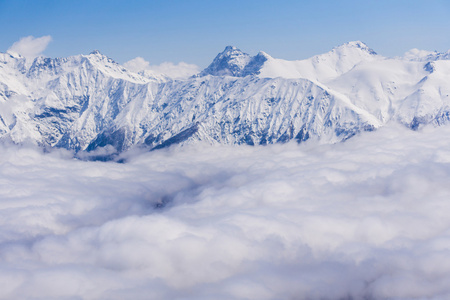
(86, 102)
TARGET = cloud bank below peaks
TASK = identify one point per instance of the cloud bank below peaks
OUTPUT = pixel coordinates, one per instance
(364, 219)
(176, 71)
(31, 47)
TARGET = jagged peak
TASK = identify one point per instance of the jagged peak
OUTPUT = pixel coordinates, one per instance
(14, 54)
(96, 52)
(231, 61)
(234, 62)
(425, 55)
(231, 53)
(100, 56)
(430, 67)
(263, 54)
(356, 45)
(255, 64)
(230, 48)
(40, 58)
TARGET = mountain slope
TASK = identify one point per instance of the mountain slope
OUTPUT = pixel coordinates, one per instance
(321, 67)
(86, 102)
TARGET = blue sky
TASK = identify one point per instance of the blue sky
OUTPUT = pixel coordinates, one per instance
(195, 31)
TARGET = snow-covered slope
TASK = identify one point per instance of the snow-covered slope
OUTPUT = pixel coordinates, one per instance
(409, 91)
(88, 101)
(338, 61)
(321, 67)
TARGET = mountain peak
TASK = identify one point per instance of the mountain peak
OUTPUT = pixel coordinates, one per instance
(229, 62)
(263, 54)
(96, 55)
(424, 55)
(13, 54)
(233, 62)
(230, 48)
(357, 45)
(96, 52)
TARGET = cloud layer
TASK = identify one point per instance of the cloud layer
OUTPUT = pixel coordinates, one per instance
(364, 219)
(31, 47)
(176, 71)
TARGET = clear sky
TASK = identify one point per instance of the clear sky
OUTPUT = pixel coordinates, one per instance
(195, 31)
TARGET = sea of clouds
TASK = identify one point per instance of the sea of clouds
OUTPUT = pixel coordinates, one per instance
(365, 219)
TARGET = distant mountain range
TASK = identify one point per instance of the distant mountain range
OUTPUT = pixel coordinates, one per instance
(89, 102)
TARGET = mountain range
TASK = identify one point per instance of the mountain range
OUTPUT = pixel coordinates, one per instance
(91, 103)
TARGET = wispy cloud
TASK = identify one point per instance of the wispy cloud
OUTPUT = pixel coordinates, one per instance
(180, 70)
(364, 219)
(31, 47)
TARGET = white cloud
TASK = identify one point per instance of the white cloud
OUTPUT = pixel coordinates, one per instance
(176, 71)
(137, 64)
(415, 53)
(364, 219)
(31, 47)
(180, 70)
